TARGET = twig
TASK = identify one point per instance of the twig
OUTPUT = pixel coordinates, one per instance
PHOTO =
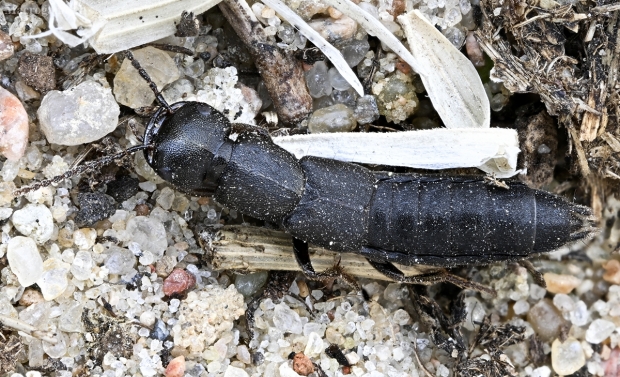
(255, 249)
(283, 75)
(27, 329)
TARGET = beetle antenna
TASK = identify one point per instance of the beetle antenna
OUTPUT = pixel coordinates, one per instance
(147, 78)
(80, 169)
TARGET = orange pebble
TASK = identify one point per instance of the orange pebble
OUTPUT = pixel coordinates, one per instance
(176, 368)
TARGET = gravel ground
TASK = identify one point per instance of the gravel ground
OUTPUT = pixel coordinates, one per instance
(102, 274)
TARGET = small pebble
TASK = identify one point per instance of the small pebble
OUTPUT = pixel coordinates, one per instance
(85, 238)
(612, 271)
(79, 115)
(396, 98)
(567, 357)
(149, 233)
(243, 354)
(82, 265)
(7, 49)
(54, 280)
(402, 66)
(543, 371)
(34, 220)
(235, 372)
(521, 307)
(332, 30)
(354, 51)
(336, 118)
(120, 261)
(132, 90)
(25, 92)
(142, 209)
(317, 80)
(286, 371)
(178, 282)
(165, 198)
(249, 284)
(304, 291)
(366, 110)
(474, 52)
(123, 188)
(337, 81)
(13, 126)
(315, 345)
(176, 367)
(37, 71)
(160, 331)
(94, 207)
(557, 283)
(546, 320)
(599, 330)
(165, 266)
(30, 297)
(302, 364)
(148, 318)
(286, 319)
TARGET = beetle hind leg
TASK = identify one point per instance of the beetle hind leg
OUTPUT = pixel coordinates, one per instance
(433, 277)
(302, 255)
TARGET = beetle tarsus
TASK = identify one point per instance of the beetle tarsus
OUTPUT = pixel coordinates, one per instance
(433, 277)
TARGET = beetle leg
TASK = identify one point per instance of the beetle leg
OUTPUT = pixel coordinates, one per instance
(433, 277)
(302, 255)
(536, 275)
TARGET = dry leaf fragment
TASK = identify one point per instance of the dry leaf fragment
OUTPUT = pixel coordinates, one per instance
(493, 150)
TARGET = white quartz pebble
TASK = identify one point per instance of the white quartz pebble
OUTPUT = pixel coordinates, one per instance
(599, 330)
(25, 260)
(78, 115)
(54, 280)
(34, 220)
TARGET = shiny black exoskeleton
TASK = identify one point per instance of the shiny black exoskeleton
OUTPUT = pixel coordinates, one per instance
(406, 219)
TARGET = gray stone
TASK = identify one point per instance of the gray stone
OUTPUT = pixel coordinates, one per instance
(336, 118)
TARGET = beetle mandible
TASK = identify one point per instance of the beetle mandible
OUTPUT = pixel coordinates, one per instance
(387, 218)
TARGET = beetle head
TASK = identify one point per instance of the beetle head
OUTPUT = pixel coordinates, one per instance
(189, 147)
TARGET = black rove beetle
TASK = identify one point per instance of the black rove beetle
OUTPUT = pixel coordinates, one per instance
(387, 218)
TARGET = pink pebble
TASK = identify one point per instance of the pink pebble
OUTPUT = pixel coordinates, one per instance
(176, 368)
(178, 282)
(13, 126)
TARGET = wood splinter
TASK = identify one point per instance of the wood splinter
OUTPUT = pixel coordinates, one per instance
(282, 74)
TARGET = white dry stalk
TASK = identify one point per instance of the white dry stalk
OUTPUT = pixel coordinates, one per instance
(115, 25)
(449, 78)
(26, 329)
(313, 36)
(493, 150)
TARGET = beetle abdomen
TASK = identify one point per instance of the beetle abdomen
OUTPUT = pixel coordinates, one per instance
(457, 221)
(433, 220)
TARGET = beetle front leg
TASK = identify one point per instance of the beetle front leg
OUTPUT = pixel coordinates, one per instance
(302, 255)
(433, 277)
